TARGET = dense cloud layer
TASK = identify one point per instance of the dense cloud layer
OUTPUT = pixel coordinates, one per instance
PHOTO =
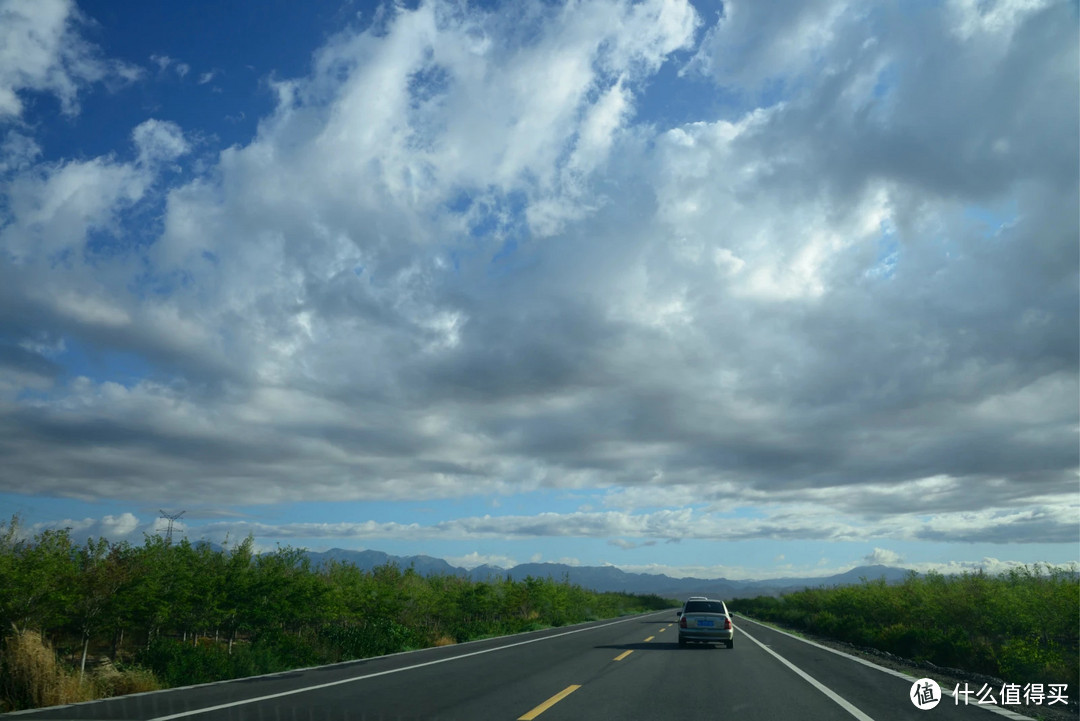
(452, 263)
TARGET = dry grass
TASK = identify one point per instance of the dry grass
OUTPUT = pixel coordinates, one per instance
(445, 640)
(31, 676)
(135, 680)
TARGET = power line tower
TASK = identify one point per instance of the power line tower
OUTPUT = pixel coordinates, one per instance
(172, 518)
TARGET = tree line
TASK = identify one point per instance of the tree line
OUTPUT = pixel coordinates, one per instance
(191, 613)
(1020, 626)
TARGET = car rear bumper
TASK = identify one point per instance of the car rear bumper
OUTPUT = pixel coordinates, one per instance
(716, 636)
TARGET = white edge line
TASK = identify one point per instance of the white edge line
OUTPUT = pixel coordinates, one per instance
(993, 708)
(339, 682)
(844, 703)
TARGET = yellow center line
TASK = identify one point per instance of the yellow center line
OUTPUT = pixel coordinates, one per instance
(623, 655)
(650, 638)
(549, 703)
(670, 625)
(662, 630)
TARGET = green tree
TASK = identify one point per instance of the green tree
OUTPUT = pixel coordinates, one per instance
(101, 571)
(42, 581)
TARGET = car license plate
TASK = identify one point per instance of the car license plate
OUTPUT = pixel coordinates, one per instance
(703, 622)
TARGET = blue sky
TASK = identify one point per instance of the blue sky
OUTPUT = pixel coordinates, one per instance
(742, 289)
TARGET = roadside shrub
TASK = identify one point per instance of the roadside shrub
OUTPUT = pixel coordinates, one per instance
(31, 676)
(127, 681)
(1025, 658)
(180, 664)
(1020, 626)
(186, 613)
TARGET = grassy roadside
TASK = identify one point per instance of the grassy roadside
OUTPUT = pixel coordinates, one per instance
(35, 676)
(166, 615)
(1021, 626)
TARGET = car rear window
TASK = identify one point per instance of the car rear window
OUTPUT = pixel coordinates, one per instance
(704, 607)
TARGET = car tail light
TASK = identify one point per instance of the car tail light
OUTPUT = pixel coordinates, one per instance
(727, 624)
(682, 622)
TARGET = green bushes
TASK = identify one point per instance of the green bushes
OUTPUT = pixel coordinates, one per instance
(1021, 626)
(176, 663)
(191, 614)
(181, 664)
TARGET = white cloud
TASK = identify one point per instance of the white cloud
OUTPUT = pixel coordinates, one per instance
(474, 559)
(128, 527)
(41, 50)
(989, 565)
(452, 263)
(754, 43)
(17, 152)
(996, 18)
(114, 528)
(629, 545)
(568, 561)
(883, 557)
(787, 522)
(54, 207)
(159, 140)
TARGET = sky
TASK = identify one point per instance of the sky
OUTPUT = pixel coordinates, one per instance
(743, 289)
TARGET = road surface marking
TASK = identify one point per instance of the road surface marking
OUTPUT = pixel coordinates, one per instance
(623, 655)
(844, 704)
(549, 703)
(662, 630)
(650, 638)
(670, 625)
(986, 707)
(207, 709)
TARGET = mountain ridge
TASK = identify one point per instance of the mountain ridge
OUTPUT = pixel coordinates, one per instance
(611, 578)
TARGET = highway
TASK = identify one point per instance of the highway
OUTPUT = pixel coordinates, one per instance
(630, 668)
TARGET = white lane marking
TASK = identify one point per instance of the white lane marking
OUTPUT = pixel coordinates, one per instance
(207, 709)
(892, 672)
(844, 704)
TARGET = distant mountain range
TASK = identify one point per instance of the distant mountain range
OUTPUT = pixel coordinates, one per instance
(610, 578)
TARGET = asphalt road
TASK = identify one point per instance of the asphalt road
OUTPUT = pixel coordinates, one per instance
(630, 668)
